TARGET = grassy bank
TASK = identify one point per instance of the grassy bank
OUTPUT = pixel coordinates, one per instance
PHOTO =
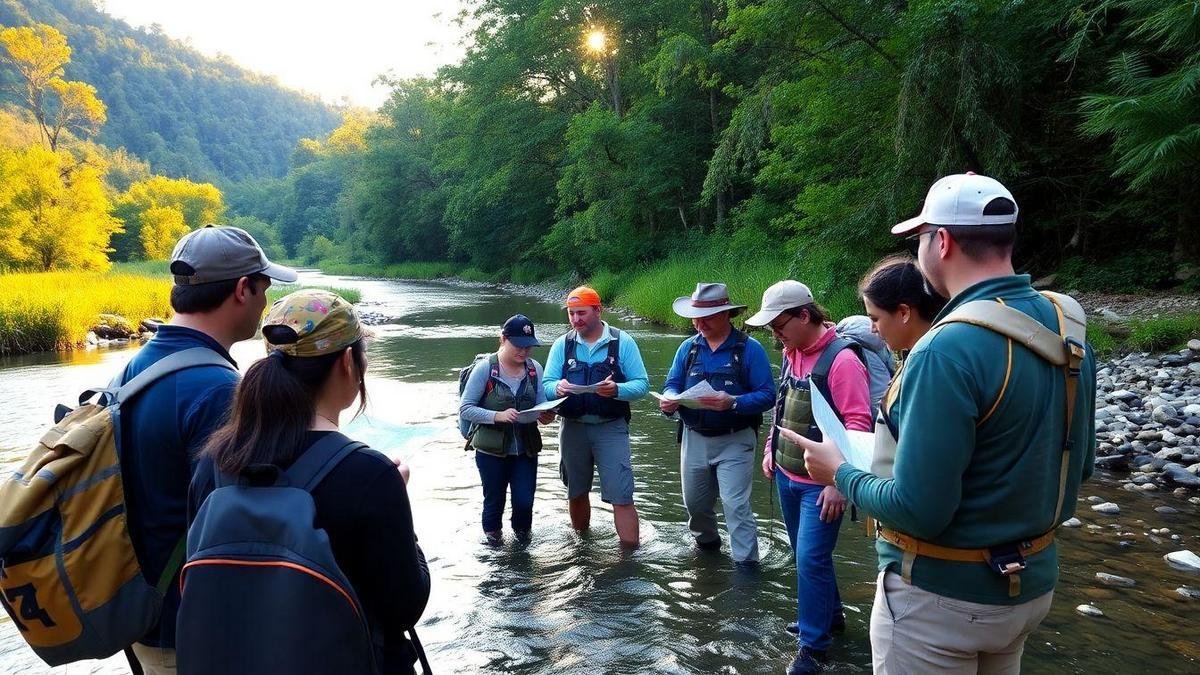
(404, 270)
(55, 310)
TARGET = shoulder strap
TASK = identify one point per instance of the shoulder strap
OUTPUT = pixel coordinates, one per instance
(614, 346)
(317, 461)
(1011, 323)
(739, 360)
(493, 372)
(570, 346)
(172, 363)
(690, 359)
(532, 372)
(820, 372)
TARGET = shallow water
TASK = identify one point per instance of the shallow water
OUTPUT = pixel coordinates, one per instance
(570, 603)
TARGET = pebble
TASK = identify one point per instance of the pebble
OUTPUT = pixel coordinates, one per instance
(1189, 593)
(1114, 580)
(1185, 561)
(1194, 345)
(1166, 510)
(1095, 500)
(1107, 508)
(1089, 610)
(1072, 522)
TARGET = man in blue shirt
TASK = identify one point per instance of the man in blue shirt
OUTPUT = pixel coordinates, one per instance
(600, 370)
(718, 439)
(220, 292)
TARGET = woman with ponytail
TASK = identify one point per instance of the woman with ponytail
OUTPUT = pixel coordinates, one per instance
(286, 404)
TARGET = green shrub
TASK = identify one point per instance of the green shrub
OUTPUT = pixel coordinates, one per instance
(1130, 273)
(1163, 333)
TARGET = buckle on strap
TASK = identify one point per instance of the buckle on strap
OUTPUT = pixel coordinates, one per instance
(1076, 353)
(1007, 559)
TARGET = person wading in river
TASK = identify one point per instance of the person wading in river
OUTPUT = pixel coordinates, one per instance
(595, 428)
(220, 292)
(994, 437)
(717, 442)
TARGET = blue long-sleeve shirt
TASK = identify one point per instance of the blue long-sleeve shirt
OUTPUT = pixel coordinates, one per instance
(755, 397)
(637, 380)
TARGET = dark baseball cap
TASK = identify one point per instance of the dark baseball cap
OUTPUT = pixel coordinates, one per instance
(519, 331)
(214, 253)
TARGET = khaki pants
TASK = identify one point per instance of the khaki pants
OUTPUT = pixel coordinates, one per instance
(915, 631)
(155, 660)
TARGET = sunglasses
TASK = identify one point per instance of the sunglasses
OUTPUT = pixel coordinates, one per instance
(778, 328)
(912, 243)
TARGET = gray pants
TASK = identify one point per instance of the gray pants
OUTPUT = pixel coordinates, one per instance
(915, 631)
(724, 465)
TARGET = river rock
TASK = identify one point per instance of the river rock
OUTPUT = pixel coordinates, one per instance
(1114, 580)
(1107, 508)
(1072, 522)
(1189, 593)
(113, 327)
(1191, 410)
(1166, 510)
(1089, 610)
(1185, 561)
(1179, 475)
(150, 325)
(1113, 462)
(1194, 345)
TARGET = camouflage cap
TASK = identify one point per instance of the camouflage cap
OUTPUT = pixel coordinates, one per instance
(322, 322)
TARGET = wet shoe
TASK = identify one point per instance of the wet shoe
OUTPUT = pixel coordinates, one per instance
(709, 545)
(494, 538)
(807, 662)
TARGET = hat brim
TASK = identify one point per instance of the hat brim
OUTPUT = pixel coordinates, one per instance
(683, 307)
(763, 317)
(908, 225)
(522, 342)
(280, 273)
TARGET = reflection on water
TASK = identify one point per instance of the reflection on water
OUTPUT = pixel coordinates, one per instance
(571, 603)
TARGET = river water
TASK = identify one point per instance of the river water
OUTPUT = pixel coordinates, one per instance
(576, 604)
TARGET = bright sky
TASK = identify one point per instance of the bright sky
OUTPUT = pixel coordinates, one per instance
(334, 49)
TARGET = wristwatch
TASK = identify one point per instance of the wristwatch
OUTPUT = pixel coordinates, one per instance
(734, 406)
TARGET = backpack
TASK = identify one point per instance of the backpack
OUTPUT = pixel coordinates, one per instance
(261, 590)
(464, 374)
(881, 366)
(69, 577)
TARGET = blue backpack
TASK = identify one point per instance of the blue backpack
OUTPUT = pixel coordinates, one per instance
(262, 592)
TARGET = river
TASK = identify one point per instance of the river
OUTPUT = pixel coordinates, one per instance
(575, 604)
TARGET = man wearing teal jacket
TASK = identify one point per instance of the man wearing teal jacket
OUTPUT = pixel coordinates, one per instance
(981, 424)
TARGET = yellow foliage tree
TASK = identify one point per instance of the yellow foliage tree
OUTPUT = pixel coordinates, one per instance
(51, 218)
(195, 203)
(38, 54)
(162, 226)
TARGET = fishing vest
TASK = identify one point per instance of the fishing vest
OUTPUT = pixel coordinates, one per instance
(793, 405)
(576, 371)
(495, 439)
(732, 379)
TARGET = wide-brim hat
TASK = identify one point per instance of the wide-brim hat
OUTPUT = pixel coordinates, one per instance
(708, 299)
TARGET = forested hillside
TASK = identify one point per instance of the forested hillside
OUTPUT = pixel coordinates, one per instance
(604, 139)
(186, 114)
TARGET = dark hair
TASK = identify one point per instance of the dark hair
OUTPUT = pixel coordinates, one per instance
(273, 408)
(816, 313)
(202, 298)
(896, 281)
(986, 242)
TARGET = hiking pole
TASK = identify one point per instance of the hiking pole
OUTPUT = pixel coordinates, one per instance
(412, 635)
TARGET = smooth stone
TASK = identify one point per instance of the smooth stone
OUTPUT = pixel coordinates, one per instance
(1107, 508)
(1095, 500)
(1072, 522)
(1185, 561)
(1179, 475)
(1166, 510)
(1189, 593)
(1114, 580)
(1089, 610)
(1194, 345)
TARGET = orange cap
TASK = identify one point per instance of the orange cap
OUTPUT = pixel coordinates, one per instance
(584, 296)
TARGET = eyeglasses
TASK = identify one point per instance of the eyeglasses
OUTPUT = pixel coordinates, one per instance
(778, 328)
(913, 241)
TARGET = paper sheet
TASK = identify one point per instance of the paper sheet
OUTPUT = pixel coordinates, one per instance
(581, 388)
(689, 398)
(858, 447)
(531, 415)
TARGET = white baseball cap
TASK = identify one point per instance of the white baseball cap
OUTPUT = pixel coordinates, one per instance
(960, 199)
(780, 297)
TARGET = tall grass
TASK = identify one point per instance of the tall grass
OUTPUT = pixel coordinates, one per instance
(277, 291)
(403, 270)
(41, 311)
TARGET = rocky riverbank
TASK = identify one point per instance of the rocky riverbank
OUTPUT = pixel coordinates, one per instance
(1148, 420)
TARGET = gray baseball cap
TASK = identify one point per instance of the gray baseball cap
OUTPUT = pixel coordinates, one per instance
(780, 297)
(214, 253)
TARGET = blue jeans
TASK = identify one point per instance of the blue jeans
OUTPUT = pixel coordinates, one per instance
(498, 474)
(817, 597)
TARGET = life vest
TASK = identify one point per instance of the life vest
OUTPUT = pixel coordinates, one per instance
(733, 379)
(793, 405)
(494, 439)
(576, 371)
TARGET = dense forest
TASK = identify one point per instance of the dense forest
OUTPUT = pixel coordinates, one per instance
(595, 138)
(187, 115)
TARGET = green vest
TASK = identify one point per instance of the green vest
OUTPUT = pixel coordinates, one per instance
(494, 439)
(794, 412)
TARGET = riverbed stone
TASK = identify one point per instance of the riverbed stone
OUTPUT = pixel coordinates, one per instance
(1072, 522)
(1115, 580)
(1107, 508)
(1180, 476)
(1166, 510)
(1194, 345)
(1089, 610)
(1185, 561)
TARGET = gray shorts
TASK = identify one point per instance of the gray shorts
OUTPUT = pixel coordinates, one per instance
(603, 446)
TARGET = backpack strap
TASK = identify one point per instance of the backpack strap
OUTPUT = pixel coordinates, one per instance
(172, 363)
(690, 359)
(739, 360)
(493, 372)
(531, 373)
(569, 348)
(820, 372)
(614, 346)
(318, 460)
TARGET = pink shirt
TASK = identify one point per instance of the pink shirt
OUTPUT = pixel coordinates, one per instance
(848, 382)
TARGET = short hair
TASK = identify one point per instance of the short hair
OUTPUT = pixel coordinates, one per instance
(816, 313)
(985, 242)
(204, 298)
